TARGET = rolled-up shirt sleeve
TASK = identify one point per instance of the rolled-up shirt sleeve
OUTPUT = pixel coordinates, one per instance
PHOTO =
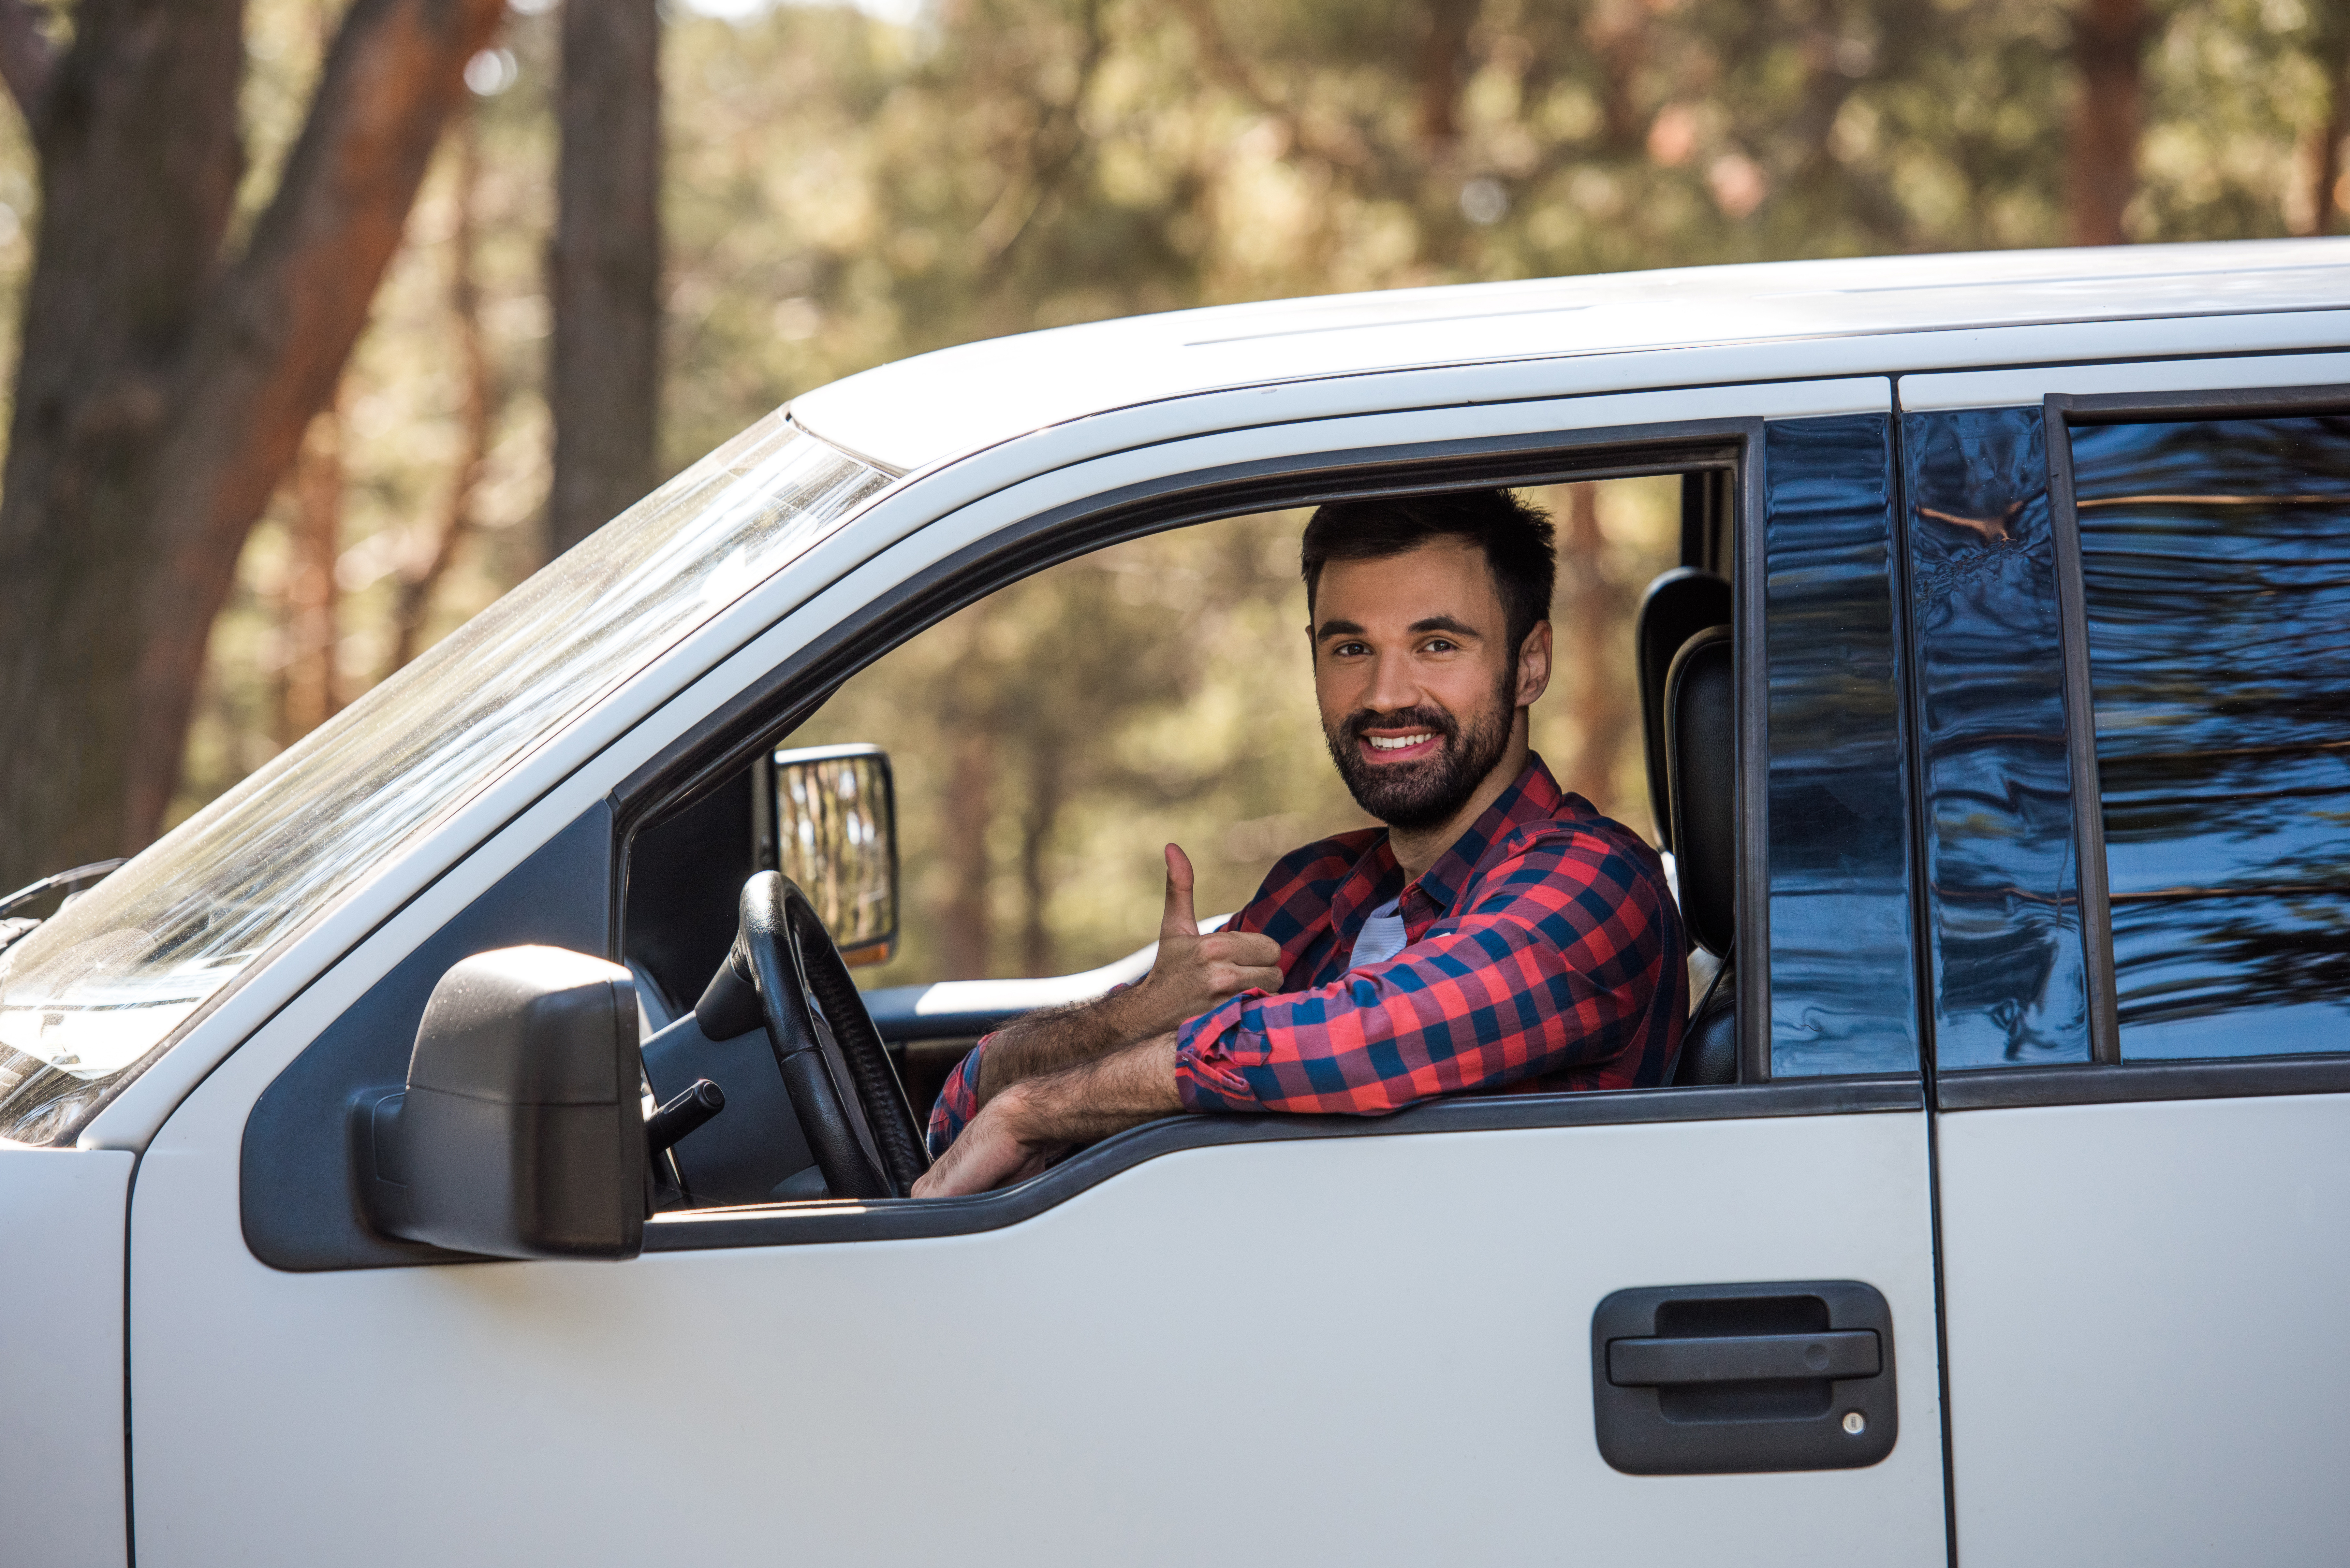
(1554, 966)
(958, 1101)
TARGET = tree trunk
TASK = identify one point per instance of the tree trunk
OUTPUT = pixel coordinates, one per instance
(140, 159)
(2324, 156)
(1618, 38)
(313, 692)
(1440, 67)
(1041, 812)
(161, 393)
(605, 387)
(2109, 38)
(1588, 659)
(416, 586)
(965, 934)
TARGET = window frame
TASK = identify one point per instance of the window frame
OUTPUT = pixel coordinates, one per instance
(767, 708)
(2107, 1076)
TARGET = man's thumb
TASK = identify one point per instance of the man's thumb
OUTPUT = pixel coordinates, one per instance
(1178, 921)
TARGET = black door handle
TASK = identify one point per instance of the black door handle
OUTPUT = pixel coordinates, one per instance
(1741, 1358)
(1716, 1379)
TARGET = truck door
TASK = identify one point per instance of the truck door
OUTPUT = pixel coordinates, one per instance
(1683, 1324)
(2130, 607)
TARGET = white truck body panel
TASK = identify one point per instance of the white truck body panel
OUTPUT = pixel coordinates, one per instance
(1263, 1353)
(2145, 1330)
(1555, 336)
(2008, 389)
(63, 1493)
(2145, 1364)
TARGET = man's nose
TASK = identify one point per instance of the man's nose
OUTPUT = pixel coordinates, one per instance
(1393, 685)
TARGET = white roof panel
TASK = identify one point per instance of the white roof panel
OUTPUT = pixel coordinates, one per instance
(961, 399)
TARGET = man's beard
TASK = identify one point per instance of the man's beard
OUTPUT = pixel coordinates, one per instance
(1429, 793)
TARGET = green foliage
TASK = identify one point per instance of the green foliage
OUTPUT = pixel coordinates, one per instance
(843, 192)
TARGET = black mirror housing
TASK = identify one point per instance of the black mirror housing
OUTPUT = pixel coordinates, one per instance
(521, 1133)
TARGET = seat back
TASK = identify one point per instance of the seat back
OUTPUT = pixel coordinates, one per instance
(1700, 722)
(1677, 605)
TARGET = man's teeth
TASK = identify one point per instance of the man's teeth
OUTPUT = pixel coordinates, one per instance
(1398, 743)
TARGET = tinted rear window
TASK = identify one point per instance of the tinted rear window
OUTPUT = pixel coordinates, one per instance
(2216, 560)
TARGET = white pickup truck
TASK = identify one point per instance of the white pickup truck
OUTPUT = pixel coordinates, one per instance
(1997, 714)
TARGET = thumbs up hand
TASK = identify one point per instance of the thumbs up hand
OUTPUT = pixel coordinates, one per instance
(1179, 919)
(1192, 973)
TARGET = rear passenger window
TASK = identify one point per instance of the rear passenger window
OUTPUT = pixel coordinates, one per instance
(2216, 568)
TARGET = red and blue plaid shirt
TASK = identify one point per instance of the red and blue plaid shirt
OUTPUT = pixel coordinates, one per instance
(1544, 952)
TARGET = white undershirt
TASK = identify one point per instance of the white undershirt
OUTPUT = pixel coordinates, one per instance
(1382, 936)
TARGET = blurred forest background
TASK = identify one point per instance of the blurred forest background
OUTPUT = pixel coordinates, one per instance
(730, 201)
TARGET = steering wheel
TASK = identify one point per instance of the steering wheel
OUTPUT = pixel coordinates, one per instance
(783, 960)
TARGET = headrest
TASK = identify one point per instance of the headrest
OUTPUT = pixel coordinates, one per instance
(1702, 730)
(1677, 604)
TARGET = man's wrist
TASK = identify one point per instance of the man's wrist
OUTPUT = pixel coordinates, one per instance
(1014, 1108)
(1129, 1015)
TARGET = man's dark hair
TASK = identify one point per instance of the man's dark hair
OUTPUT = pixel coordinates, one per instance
(1515, 534)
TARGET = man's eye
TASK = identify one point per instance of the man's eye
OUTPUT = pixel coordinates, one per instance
(1440, 645)
(1346, 649)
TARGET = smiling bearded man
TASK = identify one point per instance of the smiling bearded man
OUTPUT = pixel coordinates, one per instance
(1498, 934)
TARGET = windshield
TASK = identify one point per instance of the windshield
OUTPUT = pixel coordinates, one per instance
(94, 994)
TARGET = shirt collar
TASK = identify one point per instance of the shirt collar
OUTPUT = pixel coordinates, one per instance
(1533, 797)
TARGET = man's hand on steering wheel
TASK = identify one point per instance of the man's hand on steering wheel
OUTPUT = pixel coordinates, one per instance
(1192, 973)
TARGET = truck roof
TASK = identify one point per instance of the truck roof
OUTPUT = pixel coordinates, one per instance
(1690, 326)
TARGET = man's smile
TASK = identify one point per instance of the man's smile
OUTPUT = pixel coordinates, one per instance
(1410, 745)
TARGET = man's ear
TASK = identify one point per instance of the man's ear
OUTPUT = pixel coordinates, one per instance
(1533, 664)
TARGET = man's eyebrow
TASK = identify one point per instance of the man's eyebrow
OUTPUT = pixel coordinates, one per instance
(1446, 623)
(1427, 623)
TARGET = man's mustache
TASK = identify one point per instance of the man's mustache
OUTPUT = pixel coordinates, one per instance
(1436, 719)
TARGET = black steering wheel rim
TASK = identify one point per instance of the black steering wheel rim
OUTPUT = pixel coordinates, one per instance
(784, 954)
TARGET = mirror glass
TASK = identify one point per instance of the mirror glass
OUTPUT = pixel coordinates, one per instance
(831, 820)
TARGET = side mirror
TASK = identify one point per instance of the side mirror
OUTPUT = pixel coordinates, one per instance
(829, 821)
(521, 1131)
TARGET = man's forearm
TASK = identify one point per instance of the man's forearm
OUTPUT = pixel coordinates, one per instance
(1035, 1120)
(1060, 1038)
(1094, 1099)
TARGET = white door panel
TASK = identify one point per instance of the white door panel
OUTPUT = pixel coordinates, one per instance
(1366, 1350)
(2149, 1363)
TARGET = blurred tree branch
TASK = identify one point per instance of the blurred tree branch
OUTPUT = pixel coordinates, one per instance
(1052, 151)
(1340, 145)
